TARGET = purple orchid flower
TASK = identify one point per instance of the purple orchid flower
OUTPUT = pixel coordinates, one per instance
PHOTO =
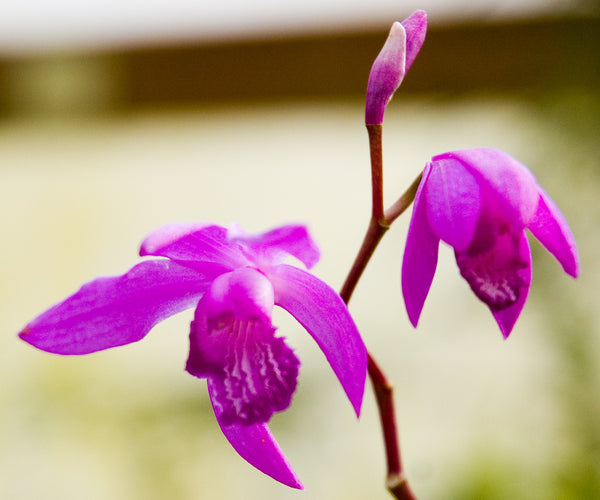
(392, 63)
(233, 279)
(480, 201)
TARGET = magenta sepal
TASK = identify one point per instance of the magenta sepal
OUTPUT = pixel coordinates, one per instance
(114, 311)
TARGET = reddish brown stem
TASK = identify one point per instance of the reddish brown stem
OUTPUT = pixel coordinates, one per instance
(384, 393)
(375, 232)
(396, 481)
(376, 149)
(378, 225)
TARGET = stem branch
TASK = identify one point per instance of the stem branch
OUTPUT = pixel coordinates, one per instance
(402, 203)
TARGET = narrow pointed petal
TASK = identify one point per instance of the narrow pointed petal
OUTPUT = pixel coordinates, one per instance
(321, 311)
(453, 199)
(420, 256)
(278, 243)
(114, 311)
(415, 26)
(194, 245)
(514, 186)
(500, 277)
(549, 226)
(386, 75)
(256, 445)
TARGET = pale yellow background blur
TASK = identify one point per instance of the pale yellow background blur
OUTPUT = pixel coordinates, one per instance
(479, 417)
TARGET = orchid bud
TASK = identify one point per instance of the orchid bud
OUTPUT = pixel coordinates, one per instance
(392, 63)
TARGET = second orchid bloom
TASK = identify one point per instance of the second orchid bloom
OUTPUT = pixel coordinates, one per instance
(480, 201)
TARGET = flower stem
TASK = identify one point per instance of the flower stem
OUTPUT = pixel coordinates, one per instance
(384, 393)
(396, 481)
(376, 149)
(380, 222)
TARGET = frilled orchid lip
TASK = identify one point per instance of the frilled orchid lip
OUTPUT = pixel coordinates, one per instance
(480, 201)
(232, 342)
(234, 279)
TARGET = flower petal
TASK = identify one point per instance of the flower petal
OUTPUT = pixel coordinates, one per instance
(321, 311)
(256, 445)
(549, 226)
(193, 245)
(514, 186)
(113, 311)
(416, 29)
(420, 256)
(500, 276)
(453, 199)
(275, 245)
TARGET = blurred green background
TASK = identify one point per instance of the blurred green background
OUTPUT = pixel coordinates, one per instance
(100, 145)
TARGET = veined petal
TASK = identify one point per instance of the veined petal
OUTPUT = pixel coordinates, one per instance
(420, 256)
(549, 226)
(514, 186)
(114, 311)
(415, 26)
(454, 201)
(500, 276)
(275, 245)
(256, 445)
(325, 316)
(194, 245)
